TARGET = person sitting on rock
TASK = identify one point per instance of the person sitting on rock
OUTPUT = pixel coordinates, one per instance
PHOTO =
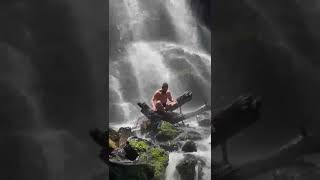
(160, 99)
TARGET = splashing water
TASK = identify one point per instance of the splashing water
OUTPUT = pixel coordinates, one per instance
(174, 159)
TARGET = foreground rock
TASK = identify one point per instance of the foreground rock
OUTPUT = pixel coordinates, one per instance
(141, 156)
(166, 131)
(189, 146)
(170, 146)
(124, 134)
(188, 167)
(189, 135)
(150, 154)
(134, 158)
(127, 170)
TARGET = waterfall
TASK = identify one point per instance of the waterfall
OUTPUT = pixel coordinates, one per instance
(185, 24)
(174, 159)
(149, 68)
(151, 53)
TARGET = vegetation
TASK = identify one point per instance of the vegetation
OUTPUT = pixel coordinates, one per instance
(155, 156)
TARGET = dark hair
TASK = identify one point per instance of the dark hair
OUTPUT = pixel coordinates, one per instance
(165, 84)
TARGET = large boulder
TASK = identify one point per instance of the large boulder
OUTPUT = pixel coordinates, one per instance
(119, 170)
(124, 134)
(166, 131)
(141, 156)
(189, 135)
(187, 167)
(189, 146)
(170, 145)
(150, 154)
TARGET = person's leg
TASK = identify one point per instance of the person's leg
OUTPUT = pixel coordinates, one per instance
(171, 105)
(159, 107)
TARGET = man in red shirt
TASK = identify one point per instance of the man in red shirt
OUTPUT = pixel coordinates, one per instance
(159, 99)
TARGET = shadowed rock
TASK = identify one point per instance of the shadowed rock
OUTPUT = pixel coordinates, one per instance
(232, 119)
(189, 146)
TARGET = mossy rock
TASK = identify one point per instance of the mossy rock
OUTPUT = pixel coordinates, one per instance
(150, 154)
(189, 135)
(167, 131)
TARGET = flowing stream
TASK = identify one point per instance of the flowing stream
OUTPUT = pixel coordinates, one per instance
(154, 42)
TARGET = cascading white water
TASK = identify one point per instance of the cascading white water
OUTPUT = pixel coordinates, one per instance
(144, 62)
(149, 67)
(185, 23)
(174, 159)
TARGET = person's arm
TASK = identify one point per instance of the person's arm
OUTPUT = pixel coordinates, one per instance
(170, 97)
(154, 99)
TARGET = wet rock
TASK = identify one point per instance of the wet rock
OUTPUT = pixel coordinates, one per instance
(170, 146)
(120, 170)
(204, 119)
(112, 144)
(124, 134)
(150, 154)
(166, 131)
(114, 136)
(189, 135)
(189, 146)
(204, 122)
(145, 124)
(139, 159)
(131, 153)
(118, 154)
(186, 168)
(127, 152)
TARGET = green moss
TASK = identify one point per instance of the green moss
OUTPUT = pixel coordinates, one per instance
(159, 160)
(167, 131)
(156, 157)
(139, 145)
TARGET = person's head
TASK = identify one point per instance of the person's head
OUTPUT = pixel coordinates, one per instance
(164, 87)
